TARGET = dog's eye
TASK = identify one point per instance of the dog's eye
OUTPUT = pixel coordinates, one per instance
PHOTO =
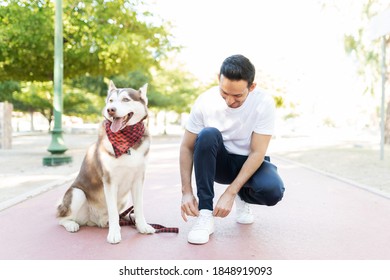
(126, 99)
(110, 100)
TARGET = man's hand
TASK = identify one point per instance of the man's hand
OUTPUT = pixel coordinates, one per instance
(189, 206)
(224, 204)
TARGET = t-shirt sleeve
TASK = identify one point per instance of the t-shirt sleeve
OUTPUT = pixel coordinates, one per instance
(265, 123)
(195, 121)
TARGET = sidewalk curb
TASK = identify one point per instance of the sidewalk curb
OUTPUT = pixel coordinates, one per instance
(334, 176)
(37, 191)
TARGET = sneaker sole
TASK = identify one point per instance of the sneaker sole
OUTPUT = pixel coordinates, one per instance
(199, 241)
(245, 222)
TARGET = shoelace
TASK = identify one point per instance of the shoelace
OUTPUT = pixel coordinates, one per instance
(131, 222)
(201, 222)
(247, 208)
(244, 208)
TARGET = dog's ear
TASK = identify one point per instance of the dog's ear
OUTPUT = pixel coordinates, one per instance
(143, 91)
(111, 86)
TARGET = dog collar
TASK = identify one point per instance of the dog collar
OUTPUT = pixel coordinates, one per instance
(126, 138)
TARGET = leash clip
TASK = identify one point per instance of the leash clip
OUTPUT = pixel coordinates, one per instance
(128, 152)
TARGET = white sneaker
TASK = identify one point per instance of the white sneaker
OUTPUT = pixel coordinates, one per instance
(244, 213)
(204, 226)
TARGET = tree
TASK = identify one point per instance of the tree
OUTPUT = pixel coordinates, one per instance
(175, 88)
(6, 90)
(26, 40)
(82, 103)
(367, 53)
(101, 38)
(112, 37)
(34, 97)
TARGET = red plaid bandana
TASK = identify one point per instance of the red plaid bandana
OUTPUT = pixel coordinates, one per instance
(126, 138)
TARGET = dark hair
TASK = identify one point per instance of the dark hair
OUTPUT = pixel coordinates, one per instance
(238, 67)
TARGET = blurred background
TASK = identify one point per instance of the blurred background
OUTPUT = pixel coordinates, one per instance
(319, 59)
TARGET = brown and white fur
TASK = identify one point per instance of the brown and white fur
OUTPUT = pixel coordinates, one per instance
(103, 186)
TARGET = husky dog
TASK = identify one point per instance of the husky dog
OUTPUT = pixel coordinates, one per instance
(113, 168)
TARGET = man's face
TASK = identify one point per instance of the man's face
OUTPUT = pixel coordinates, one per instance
(234, 92)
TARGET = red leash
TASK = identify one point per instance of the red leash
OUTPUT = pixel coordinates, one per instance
(131, 222)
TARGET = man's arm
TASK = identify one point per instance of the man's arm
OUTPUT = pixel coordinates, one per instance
(259, 145)
(189, 204)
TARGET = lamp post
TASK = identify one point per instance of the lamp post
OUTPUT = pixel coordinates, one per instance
(57, 146)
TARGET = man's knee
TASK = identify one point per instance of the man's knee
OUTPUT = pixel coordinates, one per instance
(267, 183)
(276, 195)
(209, 133)
(208, 137)
(268, 195)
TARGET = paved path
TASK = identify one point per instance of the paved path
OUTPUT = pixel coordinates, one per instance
(319, 218)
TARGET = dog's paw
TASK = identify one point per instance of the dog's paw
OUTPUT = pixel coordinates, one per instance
(71, 226)
(114, 236)
(145, 228)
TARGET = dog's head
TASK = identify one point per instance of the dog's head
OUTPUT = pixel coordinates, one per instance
(125, 106)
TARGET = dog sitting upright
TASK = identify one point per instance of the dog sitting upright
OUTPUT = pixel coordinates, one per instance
(113, 168)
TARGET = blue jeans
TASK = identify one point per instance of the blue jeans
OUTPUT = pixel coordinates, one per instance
(212, 163)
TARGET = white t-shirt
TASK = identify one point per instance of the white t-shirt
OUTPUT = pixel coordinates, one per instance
(256, 114)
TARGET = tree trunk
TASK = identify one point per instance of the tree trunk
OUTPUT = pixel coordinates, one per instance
(165, 123)
(32, 128)
(387, 124)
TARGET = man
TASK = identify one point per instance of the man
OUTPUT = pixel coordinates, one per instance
(226, 139)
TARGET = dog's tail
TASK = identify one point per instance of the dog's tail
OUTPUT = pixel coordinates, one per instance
(63, 208)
